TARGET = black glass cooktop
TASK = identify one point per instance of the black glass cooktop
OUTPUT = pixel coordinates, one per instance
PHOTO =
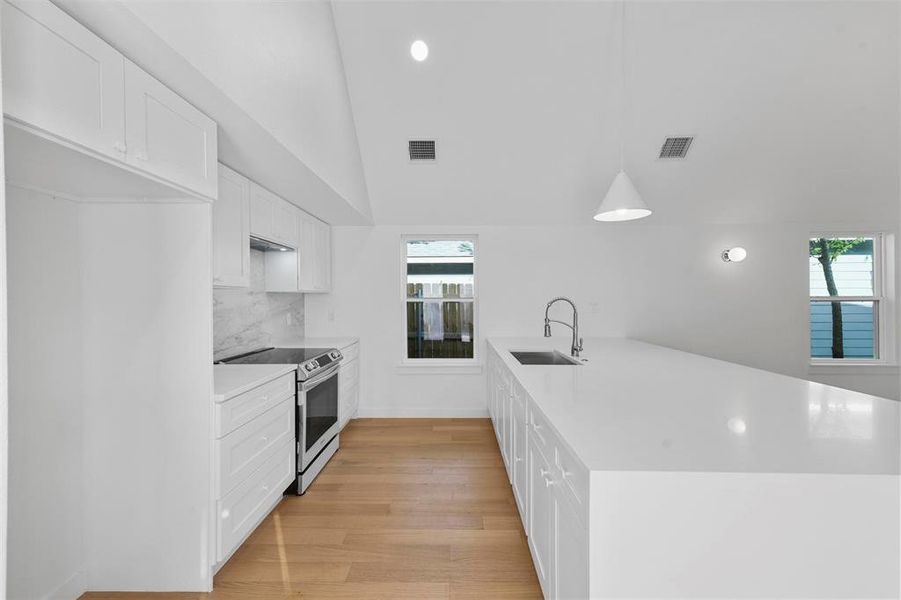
(276, 356)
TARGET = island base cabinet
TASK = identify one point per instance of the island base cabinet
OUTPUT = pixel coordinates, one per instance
(540, 531)
(520, 460)
(570, 579)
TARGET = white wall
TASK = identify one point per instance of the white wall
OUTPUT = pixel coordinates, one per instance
(45, 377)
(148, 382)
(4, 397)
(666, 285)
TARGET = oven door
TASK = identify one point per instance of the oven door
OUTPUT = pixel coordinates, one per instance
(318, 414)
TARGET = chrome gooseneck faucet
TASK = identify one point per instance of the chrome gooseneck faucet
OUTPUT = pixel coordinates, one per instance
(577, 341)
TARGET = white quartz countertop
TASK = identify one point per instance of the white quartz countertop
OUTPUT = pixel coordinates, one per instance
(231, 380)
(633, 406)
(316, 342)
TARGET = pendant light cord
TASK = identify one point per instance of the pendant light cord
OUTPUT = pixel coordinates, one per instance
(622, 114)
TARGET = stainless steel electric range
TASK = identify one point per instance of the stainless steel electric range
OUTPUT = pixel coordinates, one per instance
(317, 403)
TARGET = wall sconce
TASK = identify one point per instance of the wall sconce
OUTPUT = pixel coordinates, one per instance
(736, 254)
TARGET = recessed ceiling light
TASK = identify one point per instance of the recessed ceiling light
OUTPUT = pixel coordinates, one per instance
(419, 50)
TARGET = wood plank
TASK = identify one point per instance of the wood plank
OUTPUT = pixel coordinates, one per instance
(416, 509)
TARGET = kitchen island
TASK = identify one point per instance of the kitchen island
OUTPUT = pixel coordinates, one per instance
(648, 472)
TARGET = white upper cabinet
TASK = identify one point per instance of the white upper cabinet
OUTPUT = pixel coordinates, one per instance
(231, 230)
(167, 136)
(315, 262)
(64, 84)
(271, 217)
(62, 79)
(285, 222)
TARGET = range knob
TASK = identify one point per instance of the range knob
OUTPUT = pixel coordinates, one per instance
(309, 367)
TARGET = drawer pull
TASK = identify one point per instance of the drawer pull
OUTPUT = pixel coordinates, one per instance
(536, 429)
(548, 482)
(265, 439)
(265, 488)
(225, 513)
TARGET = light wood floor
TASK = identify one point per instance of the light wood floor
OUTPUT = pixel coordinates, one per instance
(407, 509)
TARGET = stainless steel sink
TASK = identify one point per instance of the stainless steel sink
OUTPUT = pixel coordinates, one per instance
(543, 358)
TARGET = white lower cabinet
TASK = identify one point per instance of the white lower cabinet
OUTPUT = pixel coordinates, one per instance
(549, 484)
(349, 384)
(520, 454)
(541, 518)
(254, 456)
(570, 535)
(242, 509)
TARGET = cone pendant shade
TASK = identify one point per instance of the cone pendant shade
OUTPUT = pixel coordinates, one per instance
(622, 202)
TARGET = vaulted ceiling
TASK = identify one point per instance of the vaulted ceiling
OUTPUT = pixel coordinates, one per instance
(794, 107)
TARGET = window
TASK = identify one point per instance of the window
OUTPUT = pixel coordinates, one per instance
(440, 296)
(847, 308)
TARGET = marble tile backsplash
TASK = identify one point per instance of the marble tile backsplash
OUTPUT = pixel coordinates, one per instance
(245, 319)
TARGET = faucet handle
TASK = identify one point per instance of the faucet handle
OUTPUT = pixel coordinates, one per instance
(580, 344)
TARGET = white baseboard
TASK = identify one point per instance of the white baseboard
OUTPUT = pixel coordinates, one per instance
(70, 589)
(394, 412)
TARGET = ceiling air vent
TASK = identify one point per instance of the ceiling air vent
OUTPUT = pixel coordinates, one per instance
(422, 149)
(675, 147)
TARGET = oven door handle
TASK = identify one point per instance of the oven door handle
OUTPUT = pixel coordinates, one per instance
(308, 385)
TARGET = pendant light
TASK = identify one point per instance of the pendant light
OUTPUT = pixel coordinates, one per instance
(622, 201)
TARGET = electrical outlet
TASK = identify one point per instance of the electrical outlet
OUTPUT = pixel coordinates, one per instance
(595, 307)
(289, 319)
(331, 316)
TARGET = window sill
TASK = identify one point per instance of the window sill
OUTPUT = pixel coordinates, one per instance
(437, 367)
(852, 367)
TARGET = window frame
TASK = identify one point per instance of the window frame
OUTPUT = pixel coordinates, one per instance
(882, 298)
(439, 365)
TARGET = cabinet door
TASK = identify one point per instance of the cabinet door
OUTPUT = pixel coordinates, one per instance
(324, 256)
(284, 225)
(570, 579)
(61, 78)
(306, 226)
(520, 455)
(541, 518)
(231, 230)
(503, 409)
(262, 207)
(168, 137)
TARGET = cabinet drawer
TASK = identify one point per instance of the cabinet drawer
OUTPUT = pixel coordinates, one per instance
(573, 476)
(351, 352)
(244, 507)
(540, 431)
(242, 451)
(239, 410)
